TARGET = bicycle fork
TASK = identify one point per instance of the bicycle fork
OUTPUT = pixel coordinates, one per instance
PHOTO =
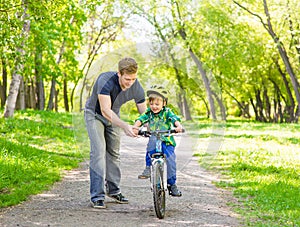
(158, 159)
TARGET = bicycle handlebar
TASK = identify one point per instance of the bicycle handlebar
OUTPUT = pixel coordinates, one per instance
(156, 132)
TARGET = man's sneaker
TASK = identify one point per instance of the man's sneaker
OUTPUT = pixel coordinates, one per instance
(119, 198)
(173, 190)
(99, 204)
(145, 174)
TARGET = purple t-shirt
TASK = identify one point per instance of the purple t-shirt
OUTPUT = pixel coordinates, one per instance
(108, 84)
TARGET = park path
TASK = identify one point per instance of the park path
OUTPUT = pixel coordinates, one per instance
(67, 203)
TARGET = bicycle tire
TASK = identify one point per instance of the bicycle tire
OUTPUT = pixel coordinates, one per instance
(159, 194)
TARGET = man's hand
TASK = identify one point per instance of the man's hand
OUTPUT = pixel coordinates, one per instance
(135, 130)
(130, 131)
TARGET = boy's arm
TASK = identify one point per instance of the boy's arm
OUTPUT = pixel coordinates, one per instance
(178, 126)
(137, 124)
(175, 120)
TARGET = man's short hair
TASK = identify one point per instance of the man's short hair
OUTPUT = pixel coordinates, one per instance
(127, 65)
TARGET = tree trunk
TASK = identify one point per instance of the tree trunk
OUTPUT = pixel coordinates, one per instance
(278, 113)
(39, 81)
(16, 76)
(56, 100)
(222, 107)
(21, 95)
(290, 104)
(259, 106)
(186, 109)
(183, 105)
(206, 84)
(254, 109)
(267, 105)
(3, 85)
(52, 95)
(53, 80)
(66, 100)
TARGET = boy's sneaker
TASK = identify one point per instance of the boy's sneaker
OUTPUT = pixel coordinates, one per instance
(119, 198)
(145, 174)
(173, 190)
(99, 204)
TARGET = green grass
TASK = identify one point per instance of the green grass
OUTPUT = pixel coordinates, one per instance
(35, 148)
(261, 163)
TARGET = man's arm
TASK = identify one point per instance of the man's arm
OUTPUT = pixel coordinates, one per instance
(141, 107)
(105, 104)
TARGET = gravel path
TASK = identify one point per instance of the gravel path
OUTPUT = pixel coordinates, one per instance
(67, 203)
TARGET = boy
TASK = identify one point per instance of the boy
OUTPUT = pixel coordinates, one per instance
(159, 117)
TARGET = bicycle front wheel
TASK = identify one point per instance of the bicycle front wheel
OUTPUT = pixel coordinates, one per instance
(159, 194)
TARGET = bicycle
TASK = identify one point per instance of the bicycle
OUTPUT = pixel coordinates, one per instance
(157, 178)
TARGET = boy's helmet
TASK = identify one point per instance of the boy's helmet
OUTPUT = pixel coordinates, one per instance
(158, 90)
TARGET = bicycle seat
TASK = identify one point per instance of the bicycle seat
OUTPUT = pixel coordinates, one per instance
(158, 155)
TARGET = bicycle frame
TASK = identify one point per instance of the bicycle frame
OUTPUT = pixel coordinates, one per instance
(158, 157)
(158, 174)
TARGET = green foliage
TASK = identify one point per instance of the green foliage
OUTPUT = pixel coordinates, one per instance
(262, 162)
(67, 37)
(35, 147)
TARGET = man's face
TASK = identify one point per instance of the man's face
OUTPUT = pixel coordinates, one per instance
(126, 80)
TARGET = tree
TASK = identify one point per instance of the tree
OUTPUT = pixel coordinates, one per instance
(16, 76)
(165, 32)
(281, 49)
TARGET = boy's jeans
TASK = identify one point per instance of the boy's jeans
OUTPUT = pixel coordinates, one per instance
(169, 151)
(104, 156)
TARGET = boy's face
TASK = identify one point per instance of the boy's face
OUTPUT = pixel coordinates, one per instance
(156, 105)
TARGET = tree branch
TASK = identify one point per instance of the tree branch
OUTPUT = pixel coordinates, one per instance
(254, 14)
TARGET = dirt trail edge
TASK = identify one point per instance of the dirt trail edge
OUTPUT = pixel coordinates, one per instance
(67, 203)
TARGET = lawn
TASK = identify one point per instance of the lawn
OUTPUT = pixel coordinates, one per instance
(35, 149)
(260, 162)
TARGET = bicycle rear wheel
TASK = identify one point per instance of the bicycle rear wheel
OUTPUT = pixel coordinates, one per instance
(159, 194)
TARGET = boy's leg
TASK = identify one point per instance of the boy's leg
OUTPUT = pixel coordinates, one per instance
(146, 173)
(150, 147)
(171, 163)
(171, 169)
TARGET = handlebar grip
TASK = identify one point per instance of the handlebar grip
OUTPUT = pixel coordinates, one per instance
(144, 133)
(173, 131)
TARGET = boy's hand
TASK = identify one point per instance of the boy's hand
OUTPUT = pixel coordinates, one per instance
(178, 128)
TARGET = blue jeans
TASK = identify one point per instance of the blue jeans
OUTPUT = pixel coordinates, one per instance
(169, 151)
(104, 156)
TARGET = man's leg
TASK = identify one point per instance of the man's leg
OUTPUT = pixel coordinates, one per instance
(96, 130)
(113, 172)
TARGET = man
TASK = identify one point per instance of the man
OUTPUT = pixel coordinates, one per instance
(110, 92)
